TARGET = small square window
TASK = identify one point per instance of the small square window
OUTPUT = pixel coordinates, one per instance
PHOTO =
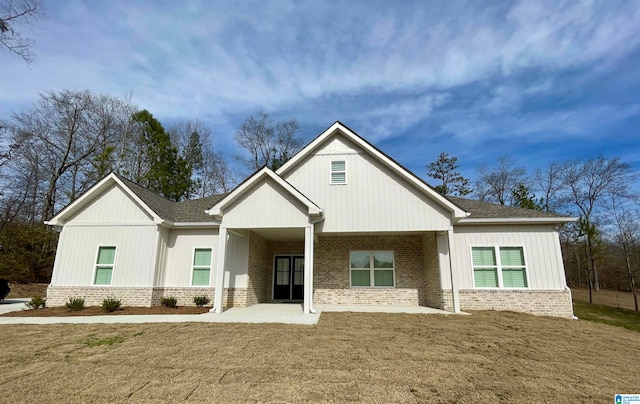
(372, 269)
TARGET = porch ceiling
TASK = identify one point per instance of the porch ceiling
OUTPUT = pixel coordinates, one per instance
(288, 234)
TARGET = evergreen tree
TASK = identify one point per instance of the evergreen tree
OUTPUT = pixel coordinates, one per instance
(166, 172)
(522, 197)
(445, 169)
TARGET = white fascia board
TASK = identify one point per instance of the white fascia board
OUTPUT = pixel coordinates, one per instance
(216, 210)
(190, 225)
(519, 220)
(457, 212)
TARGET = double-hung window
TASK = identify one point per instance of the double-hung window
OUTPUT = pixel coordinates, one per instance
(201, 267)
(104, 265)
(372, 269)
(338, 172)
(499, 267)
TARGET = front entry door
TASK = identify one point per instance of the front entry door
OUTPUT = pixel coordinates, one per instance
(288, 278)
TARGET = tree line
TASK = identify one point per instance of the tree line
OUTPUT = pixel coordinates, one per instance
(601, 249)
(54, 151)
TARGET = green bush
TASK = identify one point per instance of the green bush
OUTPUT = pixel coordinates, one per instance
(36, 302)
(75, 303)
(201, 300)
(169, 301)
(111, 304)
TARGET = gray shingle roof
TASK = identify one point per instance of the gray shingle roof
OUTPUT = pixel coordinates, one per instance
(187, 211)
(193, 210)
(485, 210)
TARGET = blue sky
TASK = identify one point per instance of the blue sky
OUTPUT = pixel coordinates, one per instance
(533, 80)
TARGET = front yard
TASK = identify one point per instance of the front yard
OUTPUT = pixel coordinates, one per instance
(347, 357)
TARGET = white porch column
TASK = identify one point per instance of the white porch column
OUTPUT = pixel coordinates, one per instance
(308, 268)
(220, 262)
(454, 275)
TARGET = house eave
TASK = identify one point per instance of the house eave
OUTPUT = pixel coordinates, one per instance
(189, 225)
(516, 220)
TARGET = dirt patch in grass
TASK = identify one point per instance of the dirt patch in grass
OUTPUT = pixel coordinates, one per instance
(485, 357)
(612, 298)
(27, 290)
(99, 311)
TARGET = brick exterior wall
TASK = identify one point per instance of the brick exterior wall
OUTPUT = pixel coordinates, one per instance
(141, 297)
(93, 295)
(555, 303)
(260, 270)
(433, 290)
(331, 270)
(232, 297)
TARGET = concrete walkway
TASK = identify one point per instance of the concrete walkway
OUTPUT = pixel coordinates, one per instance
(15, 304)
(258, 313)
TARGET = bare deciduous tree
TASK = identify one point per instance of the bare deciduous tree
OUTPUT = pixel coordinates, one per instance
(62, 137)
(550, 182)
(13, 15)
(626, 233)
(589, 182)
(495, 184)
(268, 143)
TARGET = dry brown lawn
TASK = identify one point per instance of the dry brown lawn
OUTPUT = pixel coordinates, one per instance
(485, 357)
(611, 298)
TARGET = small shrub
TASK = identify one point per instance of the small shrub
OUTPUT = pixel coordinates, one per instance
(111, 304)
(169, 301)
(75, 304)
(201, 300)
(36, 302)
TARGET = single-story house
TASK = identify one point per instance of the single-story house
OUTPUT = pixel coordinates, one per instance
(339, 223)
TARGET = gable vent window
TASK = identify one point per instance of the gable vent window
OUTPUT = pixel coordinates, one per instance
(338, 172)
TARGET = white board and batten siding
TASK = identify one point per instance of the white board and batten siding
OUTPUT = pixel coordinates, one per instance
(111, 219)
(266, 205)
(179, 257)
(114, 206)
(543, 258)
(77, 253)
(374, 197)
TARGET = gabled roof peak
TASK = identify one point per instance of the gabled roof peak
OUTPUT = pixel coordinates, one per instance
(217, 210)
(378, 154)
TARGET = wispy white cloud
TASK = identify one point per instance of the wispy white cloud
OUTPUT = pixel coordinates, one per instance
(478, 69)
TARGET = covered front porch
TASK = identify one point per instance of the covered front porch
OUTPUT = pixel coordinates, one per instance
(279, 265)
(298, 265)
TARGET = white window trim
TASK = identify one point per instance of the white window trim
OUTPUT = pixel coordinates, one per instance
(331, 172)
(371, 270)
(193, 267)
(95, 264)
(496, 251)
